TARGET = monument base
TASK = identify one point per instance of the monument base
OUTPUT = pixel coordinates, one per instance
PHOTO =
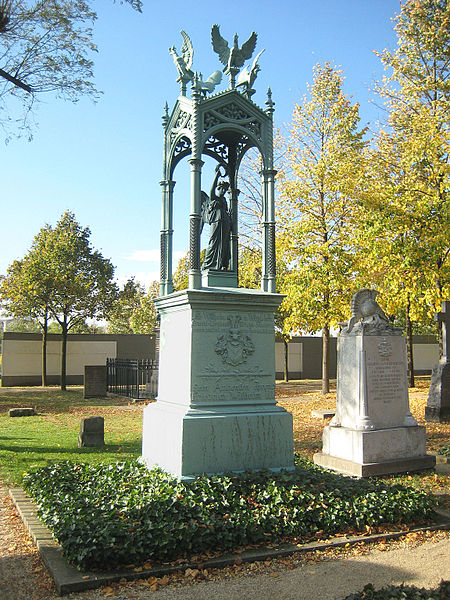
(216, 410)
(376, 452)
(190, 442)
(348, 467)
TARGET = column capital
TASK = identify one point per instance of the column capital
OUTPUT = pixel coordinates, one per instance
(268, 172)
(196, 162)
(168, 182)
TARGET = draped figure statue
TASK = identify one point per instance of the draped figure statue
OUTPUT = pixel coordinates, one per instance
(215, 212)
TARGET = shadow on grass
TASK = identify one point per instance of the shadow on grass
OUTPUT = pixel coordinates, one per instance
(130, 447)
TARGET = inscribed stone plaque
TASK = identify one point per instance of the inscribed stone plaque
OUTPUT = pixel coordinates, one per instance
(95, 381)
(386, 377)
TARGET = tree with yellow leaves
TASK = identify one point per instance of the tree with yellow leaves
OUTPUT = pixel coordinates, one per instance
(317, 212)
(408, 218)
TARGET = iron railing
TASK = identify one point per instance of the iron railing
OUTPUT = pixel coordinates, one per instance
(132, 378)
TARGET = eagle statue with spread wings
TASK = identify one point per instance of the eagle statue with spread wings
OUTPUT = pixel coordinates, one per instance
(232, 58)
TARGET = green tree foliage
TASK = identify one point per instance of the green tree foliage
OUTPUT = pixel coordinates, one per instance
(128, 300)
(45, 46)
(133, 310)
(23, 325)
(26, 291)
(144, 317)
(82, 280)
(317, 212)
(61, 276)
(408, 220)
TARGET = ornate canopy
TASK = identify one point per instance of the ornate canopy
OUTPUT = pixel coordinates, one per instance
(224, 126)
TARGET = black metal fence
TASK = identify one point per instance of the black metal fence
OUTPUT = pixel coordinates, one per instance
(132, 378)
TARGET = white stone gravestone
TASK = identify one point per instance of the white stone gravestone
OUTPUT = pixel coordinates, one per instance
(373, 431)
(216, 408)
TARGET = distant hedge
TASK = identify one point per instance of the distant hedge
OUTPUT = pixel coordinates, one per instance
(108, 515)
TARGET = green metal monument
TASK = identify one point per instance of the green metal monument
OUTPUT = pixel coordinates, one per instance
(216, 408)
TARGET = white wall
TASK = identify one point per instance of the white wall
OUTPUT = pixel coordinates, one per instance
(295, 357)
(24, 357)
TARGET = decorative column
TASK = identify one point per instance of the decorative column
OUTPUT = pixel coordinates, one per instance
(195, 278)
(166, 284)
(234, 261)
(268, 280)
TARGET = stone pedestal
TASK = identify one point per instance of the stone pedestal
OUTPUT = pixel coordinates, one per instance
(373, 431)
(216, 409)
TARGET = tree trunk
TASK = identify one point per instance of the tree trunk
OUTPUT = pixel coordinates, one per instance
(409, 346)
(325, 359)
(44, 350)
(286, 360)
(63, 354)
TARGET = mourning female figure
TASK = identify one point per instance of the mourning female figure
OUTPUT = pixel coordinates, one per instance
(215, 212)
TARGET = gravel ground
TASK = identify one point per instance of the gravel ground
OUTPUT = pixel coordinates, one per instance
(421, 560)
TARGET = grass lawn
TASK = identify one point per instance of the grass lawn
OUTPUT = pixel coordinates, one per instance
(28, 442)
(52, 435)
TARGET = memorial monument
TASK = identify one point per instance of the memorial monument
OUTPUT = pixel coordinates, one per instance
(373, 431)
(216, 409)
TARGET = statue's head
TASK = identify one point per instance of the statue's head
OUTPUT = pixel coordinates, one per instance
(222, 186)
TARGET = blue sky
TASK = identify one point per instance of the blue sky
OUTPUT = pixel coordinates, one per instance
(103, 161)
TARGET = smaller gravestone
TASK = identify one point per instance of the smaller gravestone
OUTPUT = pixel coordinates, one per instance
(21, 412)
(438, 403)
(373, 431)
(95, 381)
(92, 432)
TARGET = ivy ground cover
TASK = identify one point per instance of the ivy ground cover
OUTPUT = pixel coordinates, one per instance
(118, 514)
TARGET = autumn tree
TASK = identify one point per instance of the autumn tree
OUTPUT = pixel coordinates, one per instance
(128, 300)
(407, 203)
(317, 212)
(26, 290)
(144, 318)
(81, 279)
(46, 46)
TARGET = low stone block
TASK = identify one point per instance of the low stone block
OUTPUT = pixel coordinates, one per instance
(21, 412)
(322, 414)
(356, 469)
(92, 432)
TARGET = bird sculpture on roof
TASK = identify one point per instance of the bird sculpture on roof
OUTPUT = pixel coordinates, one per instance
(248, 76)
(364, 307)
(232, 58)
(206, 85)
(183, 61)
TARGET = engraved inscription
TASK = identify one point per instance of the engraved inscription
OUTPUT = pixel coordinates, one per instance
(385, 381)
(212, 320)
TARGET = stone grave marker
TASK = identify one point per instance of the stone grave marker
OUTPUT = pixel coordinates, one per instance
(95, 383)
(373, 431)
(92, 432)
(21, 412)
(438, 403)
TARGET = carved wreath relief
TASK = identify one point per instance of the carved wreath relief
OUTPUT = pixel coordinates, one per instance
(234, 347)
